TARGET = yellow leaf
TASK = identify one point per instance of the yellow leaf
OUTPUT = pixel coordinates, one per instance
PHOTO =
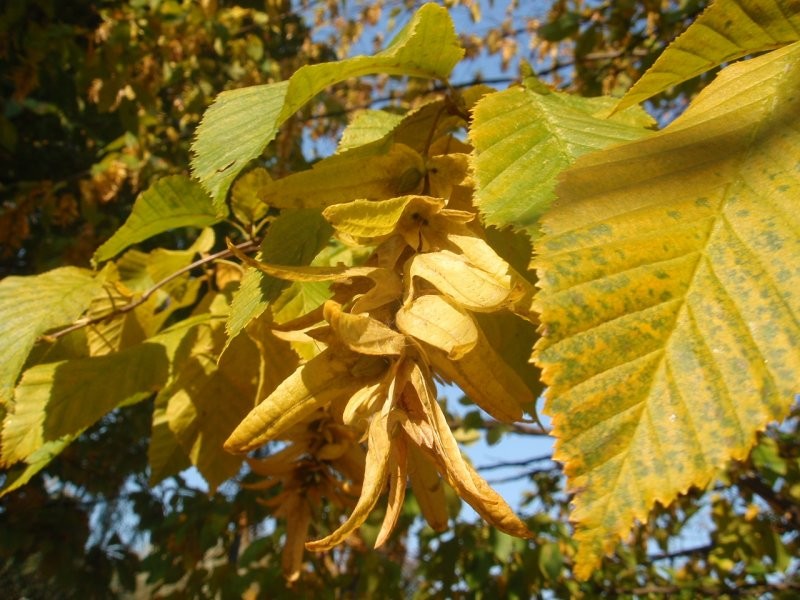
(205, 400)
(467, 483)
(670, 300)
(165, 455)
(297, 513)
(363, 334)
(375, 474)
(454, 275)
(366, 401)
(473, 275)
(387, 287)
(445, 171)
(278, 360)
(428, 489)
(324, 378)
(487, 380)
(438, 322)
(398, 467)
(121, 331)
(280, 463)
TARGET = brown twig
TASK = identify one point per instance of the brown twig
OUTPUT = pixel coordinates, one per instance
(247, 246)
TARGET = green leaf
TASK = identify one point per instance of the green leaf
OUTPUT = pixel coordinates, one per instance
(171, 202)
(368, 126)
(240, 123)
(670, 299)
(294, 238)
(726, 31)
(63, 398)
(523, 140)
(31, 306)
(55, 402)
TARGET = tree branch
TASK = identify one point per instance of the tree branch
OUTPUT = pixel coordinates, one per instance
(681, 553)
(515, 463)
(247, 246)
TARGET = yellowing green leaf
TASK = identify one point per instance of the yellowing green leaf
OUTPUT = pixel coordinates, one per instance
(435, 321)
(171, 202)
(368, 126)
(367, 221)
(60, 399)
(240, 123)
(294, 238)
(342, 178)
(31, 306)
(726, 31)
(524, 138)
(670, 300)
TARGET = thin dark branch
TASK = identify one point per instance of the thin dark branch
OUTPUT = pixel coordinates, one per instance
(515, 463)
(518, 428)
(681, 553)
(247, 246)
(556, 468)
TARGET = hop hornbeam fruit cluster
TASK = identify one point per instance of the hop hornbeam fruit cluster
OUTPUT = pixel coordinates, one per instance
(393, 325)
